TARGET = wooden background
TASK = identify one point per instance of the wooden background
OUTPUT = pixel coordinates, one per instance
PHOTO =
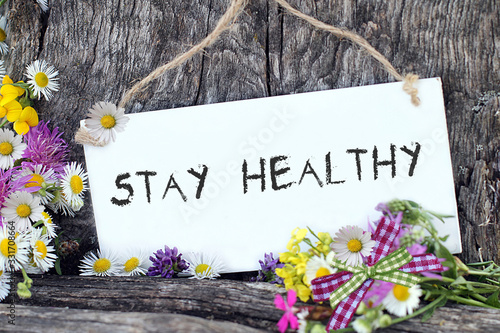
(102, 47)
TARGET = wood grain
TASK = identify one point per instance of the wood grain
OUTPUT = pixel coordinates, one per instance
(188, 305)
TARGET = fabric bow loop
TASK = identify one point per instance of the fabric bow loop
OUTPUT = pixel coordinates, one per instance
(386, 269)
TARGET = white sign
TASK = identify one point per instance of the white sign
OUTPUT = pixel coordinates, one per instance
(234, 179)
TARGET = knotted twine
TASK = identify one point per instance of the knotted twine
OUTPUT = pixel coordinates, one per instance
(234, 10)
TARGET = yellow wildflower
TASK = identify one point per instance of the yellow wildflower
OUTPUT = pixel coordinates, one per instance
(297, 236)
(26, 119)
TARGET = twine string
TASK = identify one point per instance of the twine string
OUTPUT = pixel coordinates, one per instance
(234, 10)
(223, 24)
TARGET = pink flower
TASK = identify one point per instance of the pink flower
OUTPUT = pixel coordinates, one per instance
(288, 316)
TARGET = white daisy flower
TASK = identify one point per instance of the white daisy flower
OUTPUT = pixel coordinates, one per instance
(40, 176)
(11, 148)
(14, 251)
(103, 264)
(203, 267)
(42, 78)
(2, 70)
(22, 208)
(317, 267)
(76, 204)
(302, 319)
(4, 48)
(74, 183)
(49, 225)
(59, 204)
(351, 244)
(401, 300)
(134, 264)
(105, 120)
(4, 284)
(44, 255)
(43, 5)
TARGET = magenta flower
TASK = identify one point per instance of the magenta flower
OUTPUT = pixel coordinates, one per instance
(288, 316)
(46, 147)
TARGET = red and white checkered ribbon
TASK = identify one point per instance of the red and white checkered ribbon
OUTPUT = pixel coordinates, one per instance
(384, 236)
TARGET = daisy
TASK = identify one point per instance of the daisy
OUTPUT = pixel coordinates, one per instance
(59, 204)
(22, 208)
(104, 264)
(105, 120)
(132, 265)
(43, 253)
(40, 177)
(401, 300)
(317, 267)
(13, 253)
(74, 183)
(2, 69)
(4, 48)
(42, 78)
(351, 244)
(201, 267)
(49, 225)
(43, 5)
(4, 284)
(302, 320)
(11, 148)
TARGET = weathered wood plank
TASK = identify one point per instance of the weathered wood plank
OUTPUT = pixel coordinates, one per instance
(245, 303)
(49, 319)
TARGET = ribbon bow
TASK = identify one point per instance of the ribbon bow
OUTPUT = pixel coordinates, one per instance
(346, 289)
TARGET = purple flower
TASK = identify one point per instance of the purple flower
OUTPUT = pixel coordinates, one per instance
(167, 264)
(46, 147)
(267, 272)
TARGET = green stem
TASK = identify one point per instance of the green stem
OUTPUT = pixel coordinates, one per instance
(419, 311)
(469, 301)
(25, 275)
(2, 2)
(3, 122)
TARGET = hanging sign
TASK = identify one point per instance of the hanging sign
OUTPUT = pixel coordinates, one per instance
(234, 179)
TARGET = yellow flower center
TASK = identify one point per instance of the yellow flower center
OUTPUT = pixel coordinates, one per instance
(322, 271)
(101, 265)
(41, 248)
(76, 184)
(401, 292)
(1, 273)
(6, 148)
(131, 264)
(108, 121)
(6, 249)
(41, 79)
(3, 35)
(47, 217)
(203, 269)
(23, 210)
(354, 245)
(36, 180)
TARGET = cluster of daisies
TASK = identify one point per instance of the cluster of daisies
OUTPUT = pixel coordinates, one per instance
(35, 177)
(167, 263)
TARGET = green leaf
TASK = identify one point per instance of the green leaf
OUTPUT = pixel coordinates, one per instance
(442, 252)
(493, 299)
(428, 314)
(57, 266)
